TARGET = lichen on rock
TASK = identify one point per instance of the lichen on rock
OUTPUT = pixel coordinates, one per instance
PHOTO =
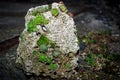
(47, 42)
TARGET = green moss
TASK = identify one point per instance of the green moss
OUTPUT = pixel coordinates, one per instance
(43, 48)
(63, 8)
(54, 12)
(35, 52)
(48, 60)
(31, 27)
(42, 57)
(53, 66)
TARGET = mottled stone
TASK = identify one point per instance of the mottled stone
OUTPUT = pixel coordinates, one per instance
(46, 42)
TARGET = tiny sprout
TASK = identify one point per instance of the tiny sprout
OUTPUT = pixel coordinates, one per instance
(43, 48)
(55, 12)
(35, 52)
(53, 66)
(55, 53)
(63, 8)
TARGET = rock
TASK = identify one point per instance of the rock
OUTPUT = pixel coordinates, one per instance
(46, 42)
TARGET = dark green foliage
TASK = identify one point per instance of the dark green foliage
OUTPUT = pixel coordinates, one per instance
(53, 66)
(90, 59)
(35, 52)
(55, 53)
(45, 41)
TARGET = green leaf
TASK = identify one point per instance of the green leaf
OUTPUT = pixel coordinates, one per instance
(54, 12)
(42, 57)
(43, 48)
(67, 65)
(53, 66)
(48, 60)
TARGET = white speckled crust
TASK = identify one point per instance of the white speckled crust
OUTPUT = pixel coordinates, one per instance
(61, 30)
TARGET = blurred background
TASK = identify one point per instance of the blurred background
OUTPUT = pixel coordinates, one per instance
(89, 15)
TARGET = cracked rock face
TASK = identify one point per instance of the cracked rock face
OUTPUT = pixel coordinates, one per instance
(48, 44)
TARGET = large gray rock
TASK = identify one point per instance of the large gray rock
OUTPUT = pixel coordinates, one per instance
(48, 44)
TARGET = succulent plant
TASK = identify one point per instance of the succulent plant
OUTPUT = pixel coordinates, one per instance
(53, 66)
(48, 60)
(35, 52)
(45, 41)
(54, 12)
(42, 57)
(45, 59)
(43, 48)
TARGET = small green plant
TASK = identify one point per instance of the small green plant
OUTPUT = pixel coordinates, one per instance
(31, 27)
(53, 66)
(43, 48)
(40, 19)
(45, 59)
(55, 53)
(48, 60)
(63, 8)
(35, 52)
(42, 57)
(54, 12)
(67, 66)
(45, 41)
(90, 59)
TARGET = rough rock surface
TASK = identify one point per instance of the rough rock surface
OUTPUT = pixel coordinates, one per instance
(48, 44)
